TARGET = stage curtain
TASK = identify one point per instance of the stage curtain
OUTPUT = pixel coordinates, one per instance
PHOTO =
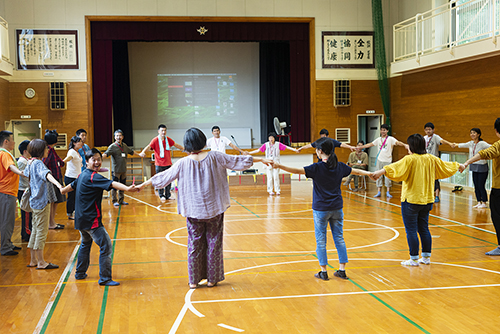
(103, 33)
(274, 77)
(122, 105)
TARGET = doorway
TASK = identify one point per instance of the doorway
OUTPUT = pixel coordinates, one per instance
(368, 131)
(24, 130)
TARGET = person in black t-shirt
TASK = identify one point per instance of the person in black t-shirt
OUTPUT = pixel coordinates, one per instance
(324, 134)
(89, 187)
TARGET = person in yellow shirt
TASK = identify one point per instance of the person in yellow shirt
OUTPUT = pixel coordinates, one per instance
(492, 153)
(417, 171)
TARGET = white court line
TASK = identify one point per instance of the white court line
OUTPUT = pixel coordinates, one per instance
(231, 328)
(346, 293)
(431, 215)
(189, 303)
(151, 205)
(52, 298)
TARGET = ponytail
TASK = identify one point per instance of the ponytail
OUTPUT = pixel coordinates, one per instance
(325, 144)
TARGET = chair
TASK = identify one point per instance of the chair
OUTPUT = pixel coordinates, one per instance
(362, 182)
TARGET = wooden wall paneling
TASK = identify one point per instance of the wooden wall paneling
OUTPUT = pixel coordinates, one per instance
(365, 96)
(65, 121)
(4, 103)
(454, 98)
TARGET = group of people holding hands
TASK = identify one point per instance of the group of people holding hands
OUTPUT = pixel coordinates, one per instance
(203, 191)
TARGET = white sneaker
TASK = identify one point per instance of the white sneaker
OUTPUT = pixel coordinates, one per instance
(477, 205)
(425, 260)
(410, 263)
(482, 206)
(163, 199)
(271, 194)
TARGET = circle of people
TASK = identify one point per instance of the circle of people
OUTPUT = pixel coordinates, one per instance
(203, 191)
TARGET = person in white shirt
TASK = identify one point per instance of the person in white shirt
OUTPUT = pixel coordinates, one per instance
(218, 143)
(479, 168)
(432, 142)
(272, 150)
(385, 144)
(73, 162)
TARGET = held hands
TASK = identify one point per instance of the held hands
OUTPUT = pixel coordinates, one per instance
(376, 175)
(142, 155)
(133, 188)
(268, 162)
(462, 167)
(454, 145)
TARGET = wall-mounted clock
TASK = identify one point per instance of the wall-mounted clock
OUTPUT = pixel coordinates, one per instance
(29, 93)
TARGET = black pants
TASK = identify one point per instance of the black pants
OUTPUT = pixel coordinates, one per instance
(479, 180)
(164, 192)
(495, 210)
(70, 203)
(25, 220)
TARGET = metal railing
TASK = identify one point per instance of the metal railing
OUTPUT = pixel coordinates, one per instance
(444, 27)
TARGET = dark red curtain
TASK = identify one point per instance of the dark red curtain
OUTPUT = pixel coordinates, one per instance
(104, 33)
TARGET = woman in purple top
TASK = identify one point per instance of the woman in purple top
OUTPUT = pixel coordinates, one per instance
(327, 203)
(203, 197)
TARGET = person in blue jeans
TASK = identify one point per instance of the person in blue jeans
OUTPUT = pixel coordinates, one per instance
(327, 203)
(89, 187)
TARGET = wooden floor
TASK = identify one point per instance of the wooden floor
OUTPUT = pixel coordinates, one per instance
(269, 250)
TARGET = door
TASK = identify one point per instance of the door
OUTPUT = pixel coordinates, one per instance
(368, 131)
(24, 130)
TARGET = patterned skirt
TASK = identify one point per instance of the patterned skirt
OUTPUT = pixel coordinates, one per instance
(205, 258)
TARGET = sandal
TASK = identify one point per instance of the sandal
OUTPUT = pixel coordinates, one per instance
(58, 227)
(211, 285)
(193, 286)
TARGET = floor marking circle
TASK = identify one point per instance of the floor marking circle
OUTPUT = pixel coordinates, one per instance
(396, 235)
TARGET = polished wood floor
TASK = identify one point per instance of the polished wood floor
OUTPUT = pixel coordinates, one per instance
(269, 250)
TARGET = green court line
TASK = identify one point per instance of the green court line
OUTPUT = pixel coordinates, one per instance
(245, 208)
(105, 295)
(59, 294)
(392, 308)
(386, 305)
(435, 225)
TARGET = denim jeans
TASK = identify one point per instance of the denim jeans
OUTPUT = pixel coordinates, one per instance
(101, 238)
(416, 220)
(163, 192)
(336, 220)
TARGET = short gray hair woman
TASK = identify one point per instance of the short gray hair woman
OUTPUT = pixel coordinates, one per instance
(203, 197)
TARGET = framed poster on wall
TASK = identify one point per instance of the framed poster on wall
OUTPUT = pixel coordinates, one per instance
(47, 49)
(341, 49)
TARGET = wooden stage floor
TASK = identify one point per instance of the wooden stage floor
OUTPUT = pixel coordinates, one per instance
(269, 250)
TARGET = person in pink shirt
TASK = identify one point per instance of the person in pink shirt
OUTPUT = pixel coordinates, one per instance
(161, 145)
(272, 150)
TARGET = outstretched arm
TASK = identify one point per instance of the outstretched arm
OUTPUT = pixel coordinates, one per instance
(356, 171)
(344, 145)
(180, 147)
(475, 158)
(16, 170)
(304, 147)
(53, 180)
(143, 152)
(234, 147)
(366, 145)
(254, 151)
(292, 149)
(293, 170)
(121, 186)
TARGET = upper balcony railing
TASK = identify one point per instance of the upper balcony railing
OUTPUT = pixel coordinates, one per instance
(456, 23)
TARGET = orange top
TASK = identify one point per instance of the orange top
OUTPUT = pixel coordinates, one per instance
(9, 181)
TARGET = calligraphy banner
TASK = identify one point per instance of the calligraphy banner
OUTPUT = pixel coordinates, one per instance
(47, 49)
(348, 49)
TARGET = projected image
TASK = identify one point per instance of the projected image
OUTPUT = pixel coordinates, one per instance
(199, 98)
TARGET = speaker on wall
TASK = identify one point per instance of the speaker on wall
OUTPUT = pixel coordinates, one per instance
(342, 93)
(58, 98)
